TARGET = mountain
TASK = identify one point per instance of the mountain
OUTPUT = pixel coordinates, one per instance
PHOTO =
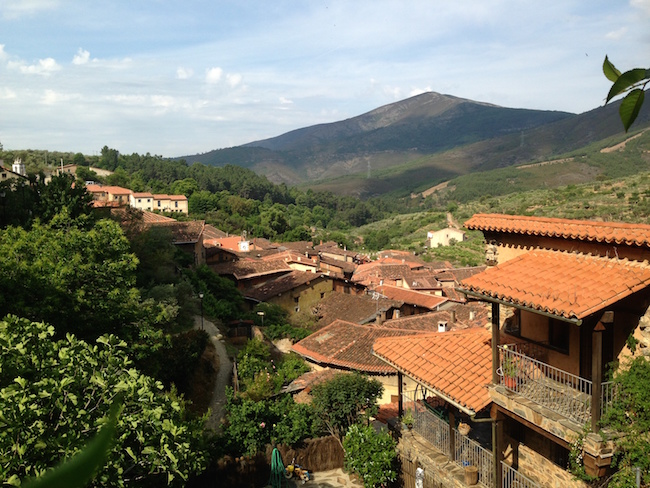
(418, 141)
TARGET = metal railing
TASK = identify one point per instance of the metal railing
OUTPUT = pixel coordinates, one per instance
(559, 391)
(436, 431)
(471, 453)
(427, 424)
(562, 392)
(511, 478)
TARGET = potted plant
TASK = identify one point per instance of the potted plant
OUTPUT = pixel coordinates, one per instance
(408, 419)
(509, 368)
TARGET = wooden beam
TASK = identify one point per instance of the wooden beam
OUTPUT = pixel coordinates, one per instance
(495, 342)
(534, 427)
(596, 374)
(400, 401)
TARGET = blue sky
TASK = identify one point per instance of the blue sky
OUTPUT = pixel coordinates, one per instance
(181, 77)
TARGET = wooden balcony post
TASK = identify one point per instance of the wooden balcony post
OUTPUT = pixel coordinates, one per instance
(596, 374)
(495, 342)
(452, 437)
(400, 390)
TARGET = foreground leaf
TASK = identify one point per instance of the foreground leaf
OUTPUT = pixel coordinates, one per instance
(80, 469)
(630, 107)
(611, 73)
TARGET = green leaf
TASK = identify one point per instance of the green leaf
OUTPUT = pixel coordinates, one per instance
(610, 70)
(630, 107)
(626, 81)
(80, 469)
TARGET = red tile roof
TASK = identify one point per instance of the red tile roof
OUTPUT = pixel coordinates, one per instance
(360, 309)
(247, 268)
(569, 285)
(411, 297)
(583, 230)
(282, 284)
(455, 365)
(346, 345)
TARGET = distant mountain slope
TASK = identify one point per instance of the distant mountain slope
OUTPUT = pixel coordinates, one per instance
(423, 139)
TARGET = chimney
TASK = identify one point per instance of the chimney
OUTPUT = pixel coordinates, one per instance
(472, 314)
(442, 326)
(453, 316)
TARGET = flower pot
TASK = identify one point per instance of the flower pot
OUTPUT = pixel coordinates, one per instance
(510, 382)
(471, 475)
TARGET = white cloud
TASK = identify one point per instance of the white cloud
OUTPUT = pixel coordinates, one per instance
(44, 67)
(419, 91)
(7, 94)
(233, 79)
(3, 53)
(51, 97)
(642, 5)
(285, 101)
(82, 57)
(162, 101)
(184, 73)
(213, 75)
(13, 9)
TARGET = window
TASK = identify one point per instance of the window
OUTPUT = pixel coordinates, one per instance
(139, 200)
(322, 295)
(558, 335)
(159, 203)
(296, 299)
(176, 204)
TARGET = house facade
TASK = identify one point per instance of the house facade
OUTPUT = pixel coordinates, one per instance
(571, 292)
(444, 237)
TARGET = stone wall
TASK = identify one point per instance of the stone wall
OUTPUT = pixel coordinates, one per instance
(546, 473)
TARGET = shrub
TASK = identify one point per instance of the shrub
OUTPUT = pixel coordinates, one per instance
(371, 455)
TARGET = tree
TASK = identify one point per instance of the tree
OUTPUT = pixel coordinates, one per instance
(629, 416)
(80, 281)
(62, 194)
(346, 400)
(632, 83)
(79, 159)
(55, 394)
(371, 455)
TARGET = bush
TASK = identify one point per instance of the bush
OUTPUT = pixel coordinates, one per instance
(370, 454)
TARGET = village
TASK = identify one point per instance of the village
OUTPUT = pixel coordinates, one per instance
(493, 375)
(500, 369)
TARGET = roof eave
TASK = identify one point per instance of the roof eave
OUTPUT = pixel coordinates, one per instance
(488, 298)
(437, 392)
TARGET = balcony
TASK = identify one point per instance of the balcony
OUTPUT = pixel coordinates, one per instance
(563, 393)
(448, 444)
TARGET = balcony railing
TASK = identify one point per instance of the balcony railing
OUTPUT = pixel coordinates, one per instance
(436, 431)
(562, 392)
(511, 478)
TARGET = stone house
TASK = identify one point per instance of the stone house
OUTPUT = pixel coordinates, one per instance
(444, 237)
(573, 292)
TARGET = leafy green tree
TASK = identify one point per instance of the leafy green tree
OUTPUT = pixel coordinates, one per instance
(55, 394)
(345, 400)
(80, 281)
(371, 454)
(63, 194)
(253, 424)
(632, 83)
(629, 416)
(79, 159)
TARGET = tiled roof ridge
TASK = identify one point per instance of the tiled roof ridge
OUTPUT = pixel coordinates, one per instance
(558, 301)
(587, 230)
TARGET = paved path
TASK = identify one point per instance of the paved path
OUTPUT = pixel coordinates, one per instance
(334, 478)
(218, 402)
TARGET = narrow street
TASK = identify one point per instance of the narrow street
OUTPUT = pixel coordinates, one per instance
(218, 402)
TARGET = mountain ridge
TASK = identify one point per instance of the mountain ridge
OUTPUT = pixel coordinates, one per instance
(414, 133)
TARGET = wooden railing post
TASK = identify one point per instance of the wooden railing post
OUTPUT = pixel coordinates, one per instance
(495, 343)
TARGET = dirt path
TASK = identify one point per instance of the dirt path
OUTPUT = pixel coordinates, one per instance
(218, 402)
